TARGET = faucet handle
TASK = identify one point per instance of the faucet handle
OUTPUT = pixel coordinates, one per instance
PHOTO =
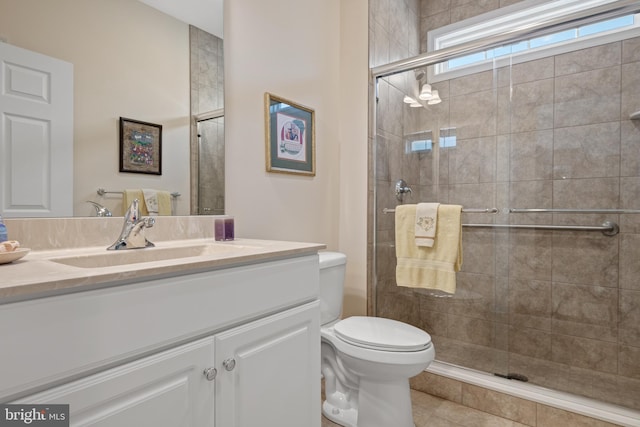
(135, 238)
(401, 189)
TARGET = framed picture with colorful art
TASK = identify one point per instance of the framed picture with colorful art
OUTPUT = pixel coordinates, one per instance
(290, 137)
(140, 147)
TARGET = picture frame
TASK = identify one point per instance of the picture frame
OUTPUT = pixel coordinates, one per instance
(289, 137)
(140, 147)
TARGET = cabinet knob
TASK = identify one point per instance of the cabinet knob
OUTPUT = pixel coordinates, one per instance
(210, 373)
(229, 364)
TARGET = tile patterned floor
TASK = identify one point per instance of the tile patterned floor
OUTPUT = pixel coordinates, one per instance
(431, 411)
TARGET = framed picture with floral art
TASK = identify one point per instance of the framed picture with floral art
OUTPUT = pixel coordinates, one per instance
(140, 147)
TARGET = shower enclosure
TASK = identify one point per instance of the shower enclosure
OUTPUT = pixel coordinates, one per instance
(545, 159)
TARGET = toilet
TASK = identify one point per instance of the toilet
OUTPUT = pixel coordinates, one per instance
(366, 361)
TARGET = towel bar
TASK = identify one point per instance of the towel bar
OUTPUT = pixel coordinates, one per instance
(102, 192)
(608, 228)
(466, 210)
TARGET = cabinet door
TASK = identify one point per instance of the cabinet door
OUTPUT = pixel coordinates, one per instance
(168, 389)
(269, 371)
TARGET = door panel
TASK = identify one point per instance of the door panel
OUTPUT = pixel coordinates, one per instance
(36, 134)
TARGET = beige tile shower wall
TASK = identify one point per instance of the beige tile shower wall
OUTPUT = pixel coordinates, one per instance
(562, 308)
(207, 94)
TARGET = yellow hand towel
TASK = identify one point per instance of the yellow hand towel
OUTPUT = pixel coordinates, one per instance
(426, 222)
(129, 196)
(424, 267)
(164, 203)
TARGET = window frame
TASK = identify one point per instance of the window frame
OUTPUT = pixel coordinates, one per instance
(515, 16)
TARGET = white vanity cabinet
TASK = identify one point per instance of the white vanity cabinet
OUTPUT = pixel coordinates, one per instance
(165, 389)
(232, 347)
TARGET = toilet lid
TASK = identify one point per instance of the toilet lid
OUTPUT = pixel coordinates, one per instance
(381, 334)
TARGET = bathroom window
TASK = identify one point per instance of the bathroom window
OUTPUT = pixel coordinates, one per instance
(422, 142)
(448, 137)
(516, 16)
(419, 142)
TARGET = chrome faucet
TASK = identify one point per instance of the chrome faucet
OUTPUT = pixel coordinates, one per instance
(100, 210)
(131, 236)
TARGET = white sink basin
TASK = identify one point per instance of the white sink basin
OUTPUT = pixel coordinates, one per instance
(135, 256)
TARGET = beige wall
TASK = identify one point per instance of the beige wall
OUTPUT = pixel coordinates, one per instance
(129, 61)
(314, 53)
(354, 76)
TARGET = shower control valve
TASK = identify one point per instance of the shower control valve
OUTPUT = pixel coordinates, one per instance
(401, 189)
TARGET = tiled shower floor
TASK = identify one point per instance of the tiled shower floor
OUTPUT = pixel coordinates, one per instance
(431, 411)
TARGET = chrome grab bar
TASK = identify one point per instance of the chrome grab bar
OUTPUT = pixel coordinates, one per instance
(487, 210)
(608, 228)
(576, 211)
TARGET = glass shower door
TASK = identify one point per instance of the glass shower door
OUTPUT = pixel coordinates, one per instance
(211, 166)
(447, 152)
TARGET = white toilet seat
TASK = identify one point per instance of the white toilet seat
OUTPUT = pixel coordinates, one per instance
(378, 333)
(387, 355)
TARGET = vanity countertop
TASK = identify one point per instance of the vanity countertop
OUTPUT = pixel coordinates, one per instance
(50, 272)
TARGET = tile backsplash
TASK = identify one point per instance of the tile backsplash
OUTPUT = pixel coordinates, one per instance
(67, 233)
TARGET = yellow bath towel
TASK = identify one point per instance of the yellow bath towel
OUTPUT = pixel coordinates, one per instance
(164, 203)
(163, 199)
(129, 196)
(424, 267)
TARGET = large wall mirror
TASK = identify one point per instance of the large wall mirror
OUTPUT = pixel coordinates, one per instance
(141, 60)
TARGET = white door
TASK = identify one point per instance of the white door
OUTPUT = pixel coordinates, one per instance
(36, 134)
(269, 371)
(168, 389)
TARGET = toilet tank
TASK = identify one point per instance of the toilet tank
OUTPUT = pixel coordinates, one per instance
(332, 270)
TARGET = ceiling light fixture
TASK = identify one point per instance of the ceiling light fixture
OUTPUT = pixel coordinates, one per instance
(435, 98)
(425, 92)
